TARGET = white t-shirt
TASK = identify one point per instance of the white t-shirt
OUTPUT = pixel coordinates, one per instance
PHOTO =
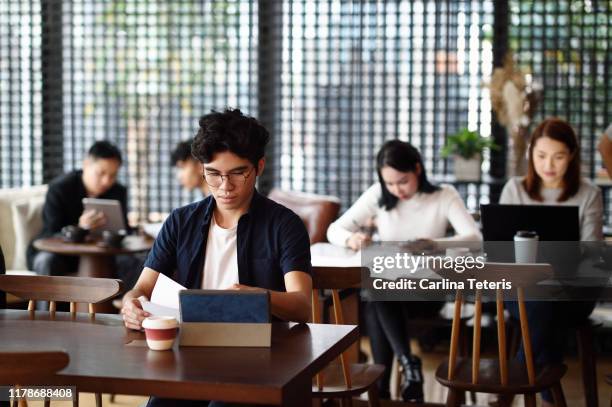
(221, 261)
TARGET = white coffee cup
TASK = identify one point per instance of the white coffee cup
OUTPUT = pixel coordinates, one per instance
(160, 332)
(526, 246)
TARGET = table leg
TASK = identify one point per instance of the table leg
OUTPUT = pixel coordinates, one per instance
(97, 267)
(298, 393)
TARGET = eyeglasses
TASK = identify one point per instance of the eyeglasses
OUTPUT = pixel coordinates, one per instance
(214, 179)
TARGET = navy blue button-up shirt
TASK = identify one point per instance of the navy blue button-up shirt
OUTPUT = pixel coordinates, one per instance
(271, 241)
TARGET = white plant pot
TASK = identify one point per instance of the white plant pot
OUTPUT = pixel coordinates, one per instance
(467, 170)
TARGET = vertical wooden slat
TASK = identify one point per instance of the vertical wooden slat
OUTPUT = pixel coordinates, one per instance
(501, 338)
(91, 310)
(31, 305)
(526, 337)
(72, 307)
(338, 315)
(476, 337)
(454, 346)
(340, 320)
(558, 395)
(316, 318)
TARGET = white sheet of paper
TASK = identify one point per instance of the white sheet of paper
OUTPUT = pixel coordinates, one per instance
(159, 310)
(328, 255)
(166, 292)
(164, 298)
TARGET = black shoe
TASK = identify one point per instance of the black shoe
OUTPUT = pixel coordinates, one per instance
(412, 386)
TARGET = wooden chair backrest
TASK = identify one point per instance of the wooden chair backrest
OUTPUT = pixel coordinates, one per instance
(61, 289)
(520, 275)
(31, 367)
(334, 279)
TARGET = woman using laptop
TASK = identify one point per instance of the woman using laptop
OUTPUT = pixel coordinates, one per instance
(553, 178)
(406, 207)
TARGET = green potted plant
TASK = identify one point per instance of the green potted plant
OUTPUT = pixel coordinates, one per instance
(466, 148)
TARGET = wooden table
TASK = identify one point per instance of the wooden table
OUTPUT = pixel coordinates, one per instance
(101, 362)
(593, 282)
(95, 260)
(343, 264)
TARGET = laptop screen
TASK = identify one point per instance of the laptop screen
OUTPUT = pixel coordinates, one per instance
(551, 222)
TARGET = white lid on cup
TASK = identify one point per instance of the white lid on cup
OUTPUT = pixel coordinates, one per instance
(529, 234)
(160, 322)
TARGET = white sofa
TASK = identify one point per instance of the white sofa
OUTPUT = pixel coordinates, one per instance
(20, 222)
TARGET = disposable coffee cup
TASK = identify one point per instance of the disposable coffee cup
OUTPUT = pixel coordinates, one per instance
(526, 246)
(160, 332)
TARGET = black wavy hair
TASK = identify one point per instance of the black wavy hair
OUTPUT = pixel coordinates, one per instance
(402, 157)
(182, 152)
(106, 150)
(232, 131)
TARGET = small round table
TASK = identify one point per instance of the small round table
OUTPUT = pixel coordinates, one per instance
(95, 260)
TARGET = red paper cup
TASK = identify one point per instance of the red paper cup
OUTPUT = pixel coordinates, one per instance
(160, 332)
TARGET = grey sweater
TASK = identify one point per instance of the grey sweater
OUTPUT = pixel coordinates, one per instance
(588, 200)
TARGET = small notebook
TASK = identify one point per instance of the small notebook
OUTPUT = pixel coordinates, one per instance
(225, 306)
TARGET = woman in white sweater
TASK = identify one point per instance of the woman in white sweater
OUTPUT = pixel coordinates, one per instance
(553, 178)
(406, 207)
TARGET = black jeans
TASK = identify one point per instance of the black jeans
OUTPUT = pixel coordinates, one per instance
(386, 326)
(51, 264)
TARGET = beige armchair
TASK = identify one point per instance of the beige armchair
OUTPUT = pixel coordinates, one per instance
(21, 221)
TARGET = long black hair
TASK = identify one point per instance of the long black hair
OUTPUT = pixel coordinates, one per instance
(403, 157)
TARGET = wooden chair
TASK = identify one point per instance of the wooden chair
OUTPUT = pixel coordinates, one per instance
(30, 368)
(316, 211)
(501, 376)
(586, 351)
(62, 289)
(345, 380)
(442, 320)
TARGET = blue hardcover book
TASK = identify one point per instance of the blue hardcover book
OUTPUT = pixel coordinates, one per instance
(224, 306)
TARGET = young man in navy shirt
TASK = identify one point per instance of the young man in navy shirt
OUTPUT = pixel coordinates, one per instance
(235, 238)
